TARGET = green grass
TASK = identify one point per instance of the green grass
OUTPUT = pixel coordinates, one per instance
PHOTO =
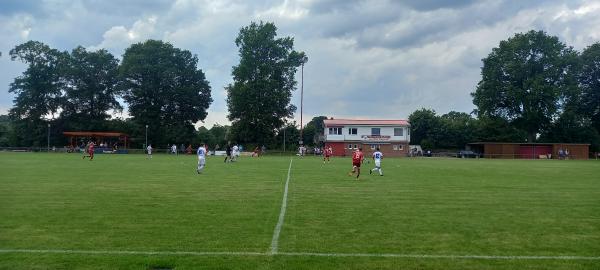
(420, 207)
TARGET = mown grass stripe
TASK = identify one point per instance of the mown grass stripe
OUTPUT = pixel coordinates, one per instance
(296, 254)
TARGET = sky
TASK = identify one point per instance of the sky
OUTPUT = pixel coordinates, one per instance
(372, 59)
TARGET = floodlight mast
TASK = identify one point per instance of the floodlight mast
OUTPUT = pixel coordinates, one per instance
(48, 145)
(304, 60)
(146, 136)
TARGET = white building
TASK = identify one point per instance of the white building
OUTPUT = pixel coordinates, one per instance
(344, 136)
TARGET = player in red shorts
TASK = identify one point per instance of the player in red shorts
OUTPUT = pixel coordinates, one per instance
(90, 150)
(357, 159)
(327, 152)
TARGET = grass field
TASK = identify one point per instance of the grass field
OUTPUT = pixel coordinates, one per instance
(58, 211)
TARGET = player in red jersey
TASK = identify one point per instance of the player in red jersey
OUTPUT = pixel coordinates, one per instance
(90, 150)
(327, 152)
(357, 159)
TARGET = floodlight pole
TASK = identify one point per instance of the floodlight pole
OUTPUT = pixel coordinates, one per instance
(48, 145)
(302, 98)
(146, 145)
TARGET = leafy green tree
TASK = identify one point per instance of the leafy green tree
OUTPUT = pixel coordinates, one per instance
(313, 131)
(5, 131)
(589, 83)
(290, 134)
(424, 125)
(571, 127)
(523, 80)
(205, 136)
(457, 129)
(259, 97)
(496, 129)
(309, 133)
(90, 89)
(221, 135)
(38, 91)
(164, 90)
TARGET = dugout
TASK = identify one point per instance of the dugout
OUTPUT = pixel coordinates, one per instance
(115, 142)
(530, 150)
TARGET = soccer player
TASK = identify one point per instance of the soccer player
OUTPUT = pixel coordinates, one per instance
(149, 151)
(227, 153)
(357, 159)
(236, 152)
(327, 152)
(90, 151)
(201, 152)
(377, 157)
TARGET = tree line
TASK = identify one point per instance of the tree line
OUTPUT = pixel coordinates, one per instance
(534, 88)
(163, 90)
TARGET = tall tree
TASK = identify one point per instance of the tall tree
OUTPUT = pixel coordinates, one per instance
(290, 134)
(496, 129)
(205, 136)
(259, 98)
(457, 129)
(424, 125)
(5, 131)
(164, 90)
(589, 82)
(37, 90)
(523, 80)
(90, 89)
(314, 130)
(572, 127)
(220, 135)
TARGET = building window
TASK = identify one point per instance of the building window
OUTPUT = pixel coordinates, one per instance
(373, 147)
(349, 146)
(398, 147)
(352, 131)
(335, 131)
(375, 131)
(408, 131)
(398, 132)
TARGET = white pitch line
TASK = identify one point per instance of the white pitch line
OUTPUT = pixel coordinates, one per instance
(295, 254)
(277, 231)
(133, 252)
(431, 256)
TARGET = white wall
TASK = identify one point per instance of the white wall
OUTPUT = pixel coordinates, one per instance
(366, 130)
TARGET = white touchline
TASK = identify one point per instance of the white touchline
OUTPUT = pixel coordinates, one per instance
(275, 240)
(297, 254)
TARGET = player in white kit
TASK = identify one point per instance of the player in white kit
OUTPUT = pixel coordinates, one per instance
(377, 156)
(149, 151)
(201, 152)
(235, 152)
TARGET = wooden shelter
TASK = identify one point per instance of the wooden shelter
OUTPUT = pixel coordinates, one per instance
(531, 150)
(110, 139)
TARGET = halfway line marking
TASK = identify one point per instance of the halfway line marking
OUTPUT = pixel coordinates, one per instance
(292, 254)
(275, 240)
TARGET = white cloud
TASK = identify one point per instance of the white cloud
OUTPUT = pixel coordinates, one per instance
(117, 38)
(288, 10)
(368, 58)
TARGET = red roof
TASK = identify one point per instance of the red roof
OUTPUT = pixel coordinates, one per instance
(343, 122)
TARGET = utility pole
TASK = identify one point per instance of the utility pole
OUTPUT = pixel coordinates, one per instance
(48, 138)
(304, 60)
